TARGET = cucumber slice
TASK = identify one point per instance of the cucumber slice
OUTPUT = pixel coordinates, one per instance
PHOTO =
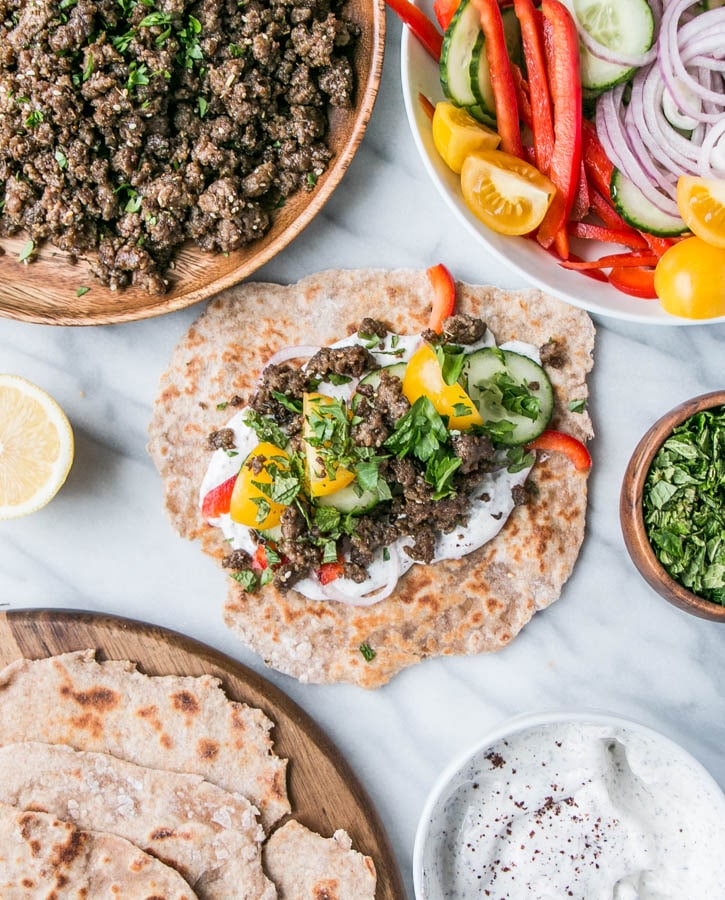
(271, 534)
(458, 43)
(479, 72)
(639, 212)
(350, 499)
(485, 372)
(624, 26)
(482, 116)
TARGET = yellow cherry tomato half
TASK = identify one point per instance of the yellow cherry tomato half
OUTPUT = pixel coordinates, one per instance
(690, 279)
(702, 206)
(506, 193)
(315, 409)
(243, 508)
(456, 134)
(424, 378)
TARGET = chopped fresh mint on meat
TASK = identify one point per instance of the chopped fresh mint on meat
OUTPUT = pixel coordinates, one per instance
(266, 429)
(519, 459)
(263, 507)
(334, 378)
(420, 432)
(294, 406)
(439, 471)
(247, 579)
(684, 504)
(327, 518)
(329, 551)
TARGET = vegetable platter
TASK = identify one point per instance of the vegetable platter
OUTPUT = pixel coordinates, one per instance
(602, 208)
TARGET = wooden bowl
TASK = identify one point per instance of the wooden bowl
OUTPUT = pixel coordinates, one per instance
(45, 290)
(632, 520)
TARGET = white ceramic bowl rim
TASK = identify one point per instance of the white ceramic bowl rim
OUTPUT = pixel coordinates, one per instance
(524, 722)
(420, 75)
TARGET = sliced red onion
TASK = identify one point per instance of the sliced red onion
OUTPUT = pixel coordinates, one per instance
(605, 53)
(301, 351)
(333, 592)
(672, 40)
(712, 162)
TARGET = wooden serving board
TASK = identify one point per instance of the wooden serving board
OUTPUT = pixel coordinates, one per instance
(324, 792)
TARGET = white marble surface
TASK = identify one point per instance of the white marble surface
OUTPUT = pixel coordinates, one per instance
(609, 642)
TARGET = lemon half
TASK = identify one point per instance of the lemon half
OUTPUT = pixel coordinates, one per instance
(36, 447)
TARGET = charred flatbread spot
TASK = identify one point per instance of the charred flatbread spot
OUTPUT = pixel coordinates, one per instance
(88, 722)
(98, 697)
(279, 785)
(207, 748)
(150, 713)
(65, 854)
(493, 605)
(166, 741)
(28, 883)
(185, 702)
(326, 890)
(160, 834)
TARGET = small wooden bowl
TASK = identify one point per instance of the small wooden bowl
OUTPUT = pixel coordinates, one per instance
(632, 520)
(45, 291)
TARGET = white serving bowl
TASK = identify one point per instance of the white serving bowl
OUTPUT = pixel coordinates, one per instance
(428, 850)
(420, 75)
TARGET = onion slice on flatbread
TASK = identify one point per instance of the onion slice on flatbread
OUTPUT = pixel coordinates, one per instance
(471, 605)
(173, 722)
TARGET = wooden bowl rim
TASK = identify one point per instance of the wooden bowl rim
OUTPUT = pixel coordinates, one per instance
(160, 305)
(632, 520)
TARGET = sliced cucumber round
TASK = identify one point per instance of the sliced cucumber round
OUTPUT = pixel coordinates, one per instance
(271, 534)
(639, 212)
(458, 44)
(509, 387)
(479, 71)
(350, 499)
(622, 26)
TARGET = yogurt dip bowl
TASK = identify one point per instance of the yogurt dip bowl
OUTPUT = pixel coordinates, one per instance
(572, 804)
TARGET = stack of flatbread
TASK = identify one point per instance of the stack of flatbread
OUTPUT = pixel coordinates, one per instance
(118, 784)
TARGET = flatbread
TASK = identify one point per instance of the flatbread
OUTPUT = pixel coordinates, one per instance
(210, 836)
(171, 722)
(42, 857)
(472, 605)
(306, 866)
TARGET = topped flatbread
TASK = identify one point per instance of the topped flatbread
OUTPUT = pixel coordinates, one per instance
(172, 722)
(472, 604)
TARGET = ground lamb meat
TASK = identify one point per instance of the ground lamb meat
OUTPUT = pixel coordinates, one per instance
(373, 328)
(473, 449)
(463, 329)
(125, 133)
(221, 440)
(346, 361)
(283, 379)
(553, 354)
(238, 560)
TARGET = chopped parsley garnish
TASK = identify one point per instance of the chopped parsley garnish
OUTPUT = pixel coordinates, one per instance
(266, 429)
(519, 459)
(367, 652)
(420, 432)
(61, 159)
(577, 406)
(223, 405)
(514, 396)
(684, 504)
(439, 471)
(81, 291)
(451, 359)
(34, 118)
(203, 106)
(334, 378)
(294, 406)
(27, 251)
(137, 75)
(247, 579)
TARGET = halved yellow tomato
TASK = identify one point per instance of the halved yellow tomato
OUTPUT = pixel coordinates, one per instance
(505, 192)
(424, 378)
(456, 134)
(690, 279)
(702, 205)
(243, 508)
(319, 482)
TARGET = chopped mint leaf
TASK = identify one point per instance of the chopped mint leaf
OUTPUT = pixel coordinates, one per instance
(367, 652)
(577, 406)
(386, 554)
(247, 579)
(451, 359)
(266, 429)
(81, 291)
(294, 406)
(421, 431)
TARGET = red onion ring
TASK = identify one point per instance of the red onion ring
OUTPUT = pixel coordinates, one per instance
(375, 596)
(301, 351)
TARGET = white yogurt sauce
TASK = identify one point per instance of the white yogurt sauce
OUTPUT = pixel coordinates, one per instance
(490, 508)
(580, 810)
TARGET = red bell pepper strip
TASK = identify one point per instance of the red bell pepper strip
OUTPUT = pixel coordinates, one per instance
(615, 260)
(566, 95)
(523, 102)
(444, 11)
(627, 237)
(659, 245)
(582, 200)
(542, 122)
(558, 442)
(420, 25)
(444, 296)
(259, 560)
(598, 165)
(426, 105)
(502, 79)
(219, 499)
(329, 572)
(636, 282)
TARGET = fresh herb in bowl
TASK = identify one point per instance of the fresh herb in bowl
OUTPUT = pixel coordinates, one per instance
(683, 504)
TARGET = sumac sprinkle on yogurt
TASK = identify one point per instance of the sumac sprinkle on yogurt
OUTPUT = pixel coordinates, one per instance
(130, 126)
(683, 504)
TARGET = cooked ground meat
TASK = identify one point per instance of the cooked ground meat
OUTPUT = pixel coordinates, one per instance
(553, 354)
(283, 379)
(221, 440)
(126, 130)
(473, 449)
(346, 361)
(389, 399)
(520, 495)
(239, 560)
(373, 327)
(463, 329)
(424, 544)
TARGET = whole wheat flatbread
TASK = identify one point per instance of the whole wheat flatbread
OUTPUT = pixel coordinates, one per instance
(42, 857)
(475, 604)
(171, 722)
(210, 836)
(306, 866)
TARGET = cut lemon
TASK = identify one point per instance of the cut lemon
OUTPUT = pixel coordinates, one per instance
(504, 192)
(702, 206)
(456, 134)
(36, 447)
